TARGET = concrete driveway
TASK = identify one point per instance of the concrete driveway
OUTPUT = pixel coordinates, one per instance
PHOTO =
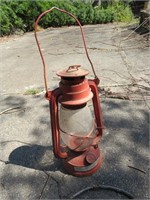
(28, 169)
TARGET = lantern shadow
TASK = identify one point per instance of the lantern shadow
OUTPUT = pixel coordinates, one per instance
(35, 157)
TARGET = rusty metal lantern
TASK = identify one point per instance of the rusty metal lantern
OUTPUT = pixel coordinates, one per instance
(75, 132)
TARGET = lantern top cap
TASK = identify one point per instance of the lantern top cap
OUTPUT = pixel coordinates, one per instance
(72, 71)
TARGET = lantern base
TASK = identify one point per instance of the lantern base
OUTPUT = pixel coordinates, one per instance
(83, 163)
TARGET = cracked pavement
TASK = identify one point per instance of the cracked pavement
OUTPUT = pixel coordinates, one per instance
(28, 168)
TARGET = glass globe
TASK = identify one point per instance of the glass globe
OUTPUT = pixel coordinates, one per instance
(77, 127)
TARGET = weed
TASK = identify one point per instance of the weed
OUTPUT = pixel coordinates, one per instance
(33, 91)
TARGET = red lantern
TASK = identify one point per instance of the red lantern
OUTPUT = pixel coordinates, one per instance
(75, 132)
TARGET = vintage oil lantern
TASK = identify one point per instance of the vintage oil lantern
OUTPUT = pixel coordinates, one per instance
(75, 131)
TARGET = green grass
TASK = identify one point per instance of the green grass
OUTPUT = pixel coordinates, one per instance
(33, 91)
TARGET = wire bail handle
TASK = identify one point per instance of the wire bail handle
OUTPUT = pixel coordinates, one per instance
(39, 48)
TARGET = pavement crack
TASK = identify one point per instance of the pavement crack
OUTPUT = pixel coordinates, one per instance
(45, 184)
(3, 186)
(6, 162)
(58, 186)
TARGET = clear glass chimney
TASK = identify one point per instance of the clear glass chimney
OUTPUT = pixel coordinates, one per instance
(77, 127)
